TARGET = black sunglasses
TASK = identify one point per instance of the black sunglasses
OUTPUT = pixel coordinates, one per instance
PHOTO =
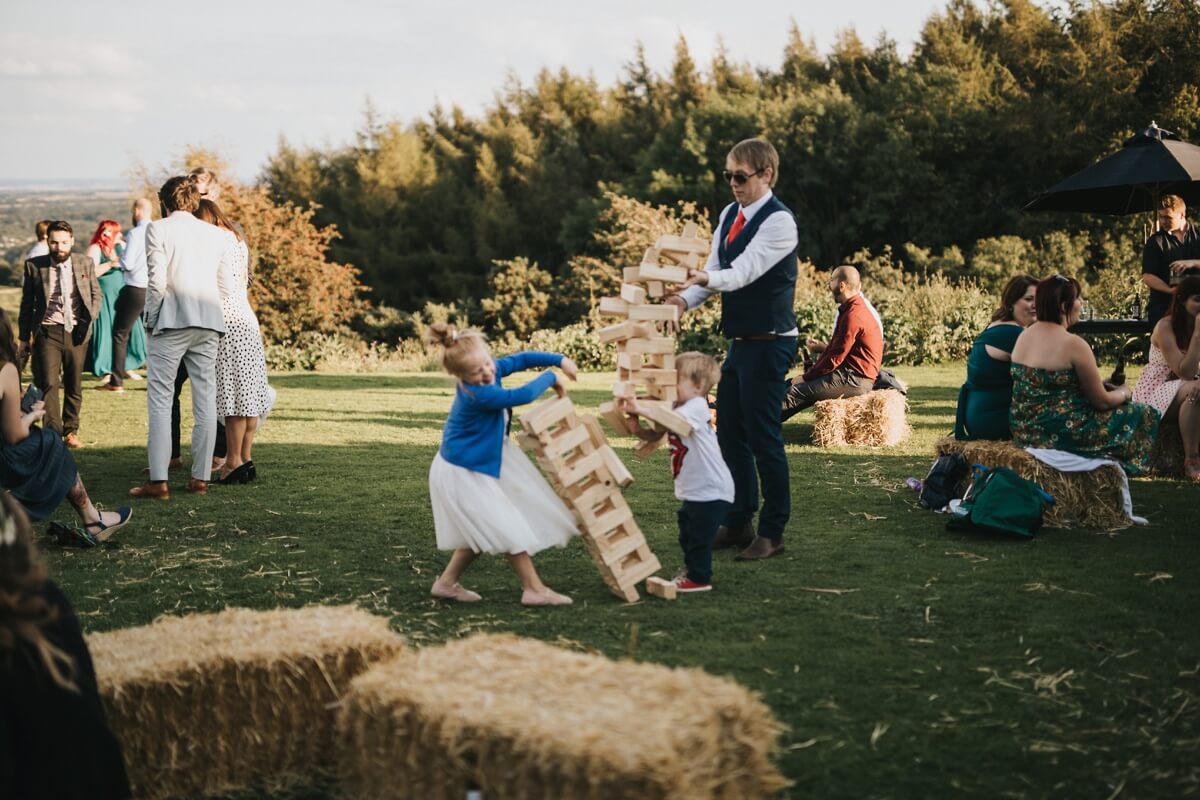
(739, 177)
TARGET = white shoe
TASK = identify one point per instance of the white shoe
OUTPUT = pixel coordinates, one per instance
(548, 597)
(455, 592)
(133, 376)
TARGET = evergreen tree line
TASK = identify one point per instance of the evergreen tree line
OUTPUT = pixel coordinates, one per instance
(924, 160)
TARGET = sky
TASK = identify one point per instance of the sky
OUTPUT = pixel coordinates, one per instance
(90, 91)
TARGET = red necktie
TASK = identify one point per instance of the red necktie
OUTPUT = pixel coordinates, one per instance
(738, 224)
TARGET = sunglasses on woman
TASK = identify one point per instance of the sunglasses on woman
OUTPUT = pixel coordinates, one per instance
(739, 177)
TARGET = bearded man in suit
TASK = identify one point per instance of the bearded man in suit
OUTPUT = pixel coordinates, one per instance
(60, 297)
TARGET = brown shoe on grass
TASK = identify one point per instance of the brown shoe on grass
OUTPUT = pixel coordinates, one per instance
(759, 549)
(152, 490)
(71, 440)
(197, 486)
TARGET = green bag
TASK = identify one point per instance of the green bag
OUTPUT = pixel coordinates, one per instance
(1001, 501)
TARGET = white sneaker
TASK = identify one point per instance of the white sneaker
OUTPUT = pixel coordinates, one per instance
(133, 376)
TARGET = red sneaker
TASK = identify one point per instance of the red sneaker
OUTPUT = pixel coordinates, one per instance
(685, 584)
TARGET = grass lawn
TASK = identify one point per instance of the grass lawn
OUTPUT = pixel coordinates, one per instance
(906, 660)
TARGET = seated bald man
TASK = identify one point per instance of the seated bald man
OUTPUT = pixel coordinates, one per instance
(850, 362)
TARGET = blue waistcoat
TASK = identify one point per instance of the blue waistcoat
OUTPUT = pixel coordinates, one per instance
(764, 306)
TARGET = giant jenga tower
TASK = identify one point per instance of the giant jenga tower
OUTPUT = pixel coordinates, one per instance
(588, 476)
(645, 355)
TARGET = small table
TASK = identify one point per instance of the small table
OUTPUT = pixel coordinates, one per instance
(1129, 327)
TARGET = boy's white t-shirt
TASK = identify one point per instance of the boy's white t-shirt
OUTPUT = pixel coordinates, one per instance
(700, 473)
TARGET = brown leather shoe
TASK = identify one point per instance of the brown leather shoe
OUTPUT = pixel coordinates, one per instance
(110, 387)
(72, 441)
(152, 490)
(759, 549)
(739, 537)
(197, 486)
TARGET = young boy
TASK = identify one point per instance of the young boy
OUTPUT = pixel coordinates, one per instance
(702, 481)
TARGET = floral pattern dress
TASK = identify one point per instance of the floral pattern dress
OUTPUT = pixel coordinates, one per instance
(1050, 410)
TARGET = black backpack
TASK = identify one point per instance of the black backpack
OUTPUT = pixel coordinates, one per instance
(941, 484)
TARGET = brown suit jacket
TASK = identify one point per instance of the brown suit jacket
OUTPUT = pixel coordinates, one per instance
(36, 285)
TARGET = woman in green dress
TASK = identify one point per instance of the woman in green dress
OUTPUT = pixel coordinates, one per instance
(105, 249)
(1060, 401)
(984, 400)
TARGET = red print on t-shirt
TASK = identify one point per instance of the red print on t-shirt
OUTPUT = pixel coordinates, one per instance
(678, 451)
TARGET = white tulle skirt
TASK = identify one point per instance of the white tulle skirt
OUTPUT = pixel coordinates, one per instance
(517, 513)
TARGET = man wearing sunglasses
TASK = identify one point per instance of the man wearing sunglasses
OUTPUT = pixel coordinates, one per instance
(753, 266)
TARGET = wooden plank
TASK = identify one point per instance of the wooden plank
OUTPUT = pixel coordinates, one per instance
(664, 417)
(655, 289)
(667, 393)
(599, 524)
(626, 330)
(591, 464)
(668, 312)
(647, 448)
(616, 467)
(659, 272)
(660, 587)
(593, 428)
(546, 414)
(527, 441)
(613, 416)
(632, 294)
(631, 361)
(614, 307)
(631, 275)
(682, 245)
(659, 360)
(568, 441)
(662, 377)
(654, 344)
(636, 567)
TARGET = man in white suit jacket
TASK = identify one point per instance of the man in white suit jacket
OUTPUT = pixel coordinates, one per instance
(187, 262)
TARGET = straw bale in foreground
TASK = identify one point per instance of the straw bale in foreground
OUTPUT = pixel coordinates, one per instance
(1088, 499)
(875, 419)
(210, 703)
(521, 718)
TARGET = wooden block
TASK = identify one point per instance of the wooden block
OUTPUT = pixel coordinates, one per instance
(590, 465)
(690, 231)
(647, 448)
(544, 415)
(600, 524)
(624, 389)
(634, 295)
(653, 344)
(665, 393)
(627, 593)
(613, 416)
(660, 587)
(614, 307)
(668, 312)
(568, 441)
(658, 272)
(626, 330)
(616, 544)
(631, 275)
(616, 467)
(527, 441)
(630, 361)
(592, 425)
(666, 418)
(655, 289)
(662, 377)
(636, 567)
(660, 360)
(682, 245)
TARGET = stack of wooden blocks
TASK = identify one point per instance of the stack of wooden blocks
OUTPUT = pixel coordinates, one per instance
(645, 356)
(588, 476)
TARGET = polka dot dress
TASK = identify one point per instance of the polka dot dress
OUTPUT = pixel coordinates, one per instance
(242, 389)
(1157, 385)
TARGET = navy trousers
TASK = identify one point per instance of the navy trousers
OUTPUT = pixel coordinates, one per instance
(750, 431)
(698, 523)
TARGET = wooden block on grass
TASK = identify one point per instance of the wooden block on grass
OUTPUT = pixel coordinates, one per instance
(660, 587)
(614, 307)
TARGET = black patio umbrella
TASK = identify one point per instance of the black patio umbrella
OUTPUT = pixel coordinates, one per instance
(1152, 163)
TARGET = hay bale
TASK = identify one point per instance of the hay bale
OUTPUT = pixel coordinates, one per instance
(1089, 499)
(875, 419)
(1166, 459)
(521, 718)
(210, 703)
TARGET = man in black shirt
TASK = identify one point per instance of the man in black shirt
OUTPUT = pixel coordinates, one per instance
(1176, 239)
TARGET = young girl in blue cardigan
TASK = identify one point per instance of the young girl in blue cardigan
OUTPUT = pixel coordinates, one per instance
(487, 496)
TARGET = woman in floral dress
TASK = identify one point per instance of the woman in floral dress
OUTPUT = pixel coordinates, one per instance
(1060, 401)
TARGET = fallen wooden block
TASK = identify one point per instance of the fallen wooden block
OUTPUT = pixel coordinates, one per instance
(211, 703)
(664, 417)
(626, 330)
(658, 272)
(660, 587)
(526, 719)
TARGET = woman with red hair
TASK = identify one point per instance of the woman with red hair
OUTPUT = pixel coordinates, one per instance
(106, 249)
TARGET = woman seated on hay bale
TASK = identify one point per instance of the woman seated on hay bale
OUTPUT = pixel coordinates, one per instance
(1059, 400)
(984, 400)
(1170, 381)
(54, 738)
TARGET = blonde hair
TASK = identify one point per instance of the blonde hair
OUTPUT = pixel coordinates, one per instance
(459, 348)
(757, 153)
(1172, 202)
(700, 369)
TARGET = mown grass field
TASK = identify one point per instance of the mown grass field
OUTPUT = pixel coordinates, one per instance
(907, 661)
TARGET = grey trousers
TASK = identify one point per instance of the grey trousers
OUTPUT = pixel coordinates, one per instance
(197, 349)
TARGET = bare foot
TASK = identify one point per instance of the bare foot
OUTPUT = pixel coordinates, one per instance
(546, 597)
(454, 592)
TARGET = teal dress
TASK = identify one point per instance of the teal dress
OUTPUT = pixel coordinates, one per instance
(100, 353)
(1049, 410)
(984, 400)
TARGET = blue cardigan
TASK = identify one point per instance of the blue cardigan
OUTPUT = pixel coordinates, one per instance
(478, 422)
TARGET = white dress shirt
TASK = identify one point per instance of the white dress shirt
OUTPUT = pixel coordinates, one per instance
(775, 238)
(133, 260)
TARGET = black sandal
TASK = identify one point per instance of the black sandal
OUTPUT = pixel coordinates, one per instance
(99, 531)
